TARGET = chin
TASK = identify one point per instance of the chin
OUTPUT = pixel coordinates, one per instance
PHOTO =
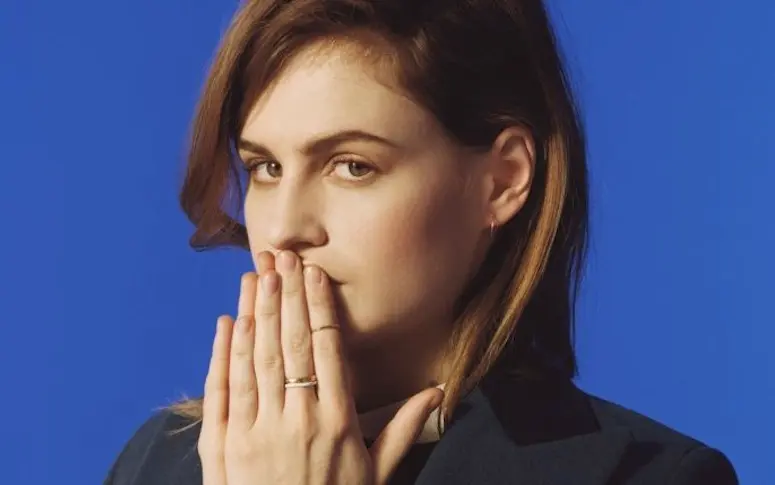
(362, 329)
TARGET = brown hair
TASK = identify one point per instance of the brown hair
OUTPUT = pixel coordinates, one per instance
(480, 66)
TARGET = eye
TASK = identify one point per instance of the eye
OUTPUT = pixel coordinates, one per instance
(355, 168)
(351, 170)
(273, 168)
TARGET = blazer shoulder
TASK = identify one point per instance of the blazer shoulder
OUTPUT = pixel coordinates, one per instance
(704, 465)
(642, 427)
(685, 459)
(156, 451)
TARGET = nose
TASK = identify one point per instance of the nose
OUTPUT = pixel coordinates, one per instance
(293, 219)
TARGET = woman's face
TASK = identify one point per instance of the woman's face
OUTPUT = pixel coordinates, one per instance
(359, 180)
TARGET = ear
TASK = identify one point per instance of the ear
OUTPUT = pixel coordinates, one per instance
(512, 167)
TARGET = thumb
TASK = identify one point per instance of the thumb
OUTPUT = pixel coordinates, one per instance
(401, 432)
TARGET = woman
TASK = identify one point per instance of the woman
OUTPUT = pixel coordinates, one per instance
(416, 208)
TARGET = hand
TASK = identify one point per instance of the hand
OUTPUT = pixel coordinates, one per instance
(254, 430)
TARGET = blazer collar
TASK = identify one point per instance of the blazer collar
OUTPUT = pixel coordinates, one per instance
(523, 431)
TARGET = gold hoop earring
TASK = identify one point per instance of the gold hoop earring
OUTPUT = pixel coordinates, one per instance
(492, 227)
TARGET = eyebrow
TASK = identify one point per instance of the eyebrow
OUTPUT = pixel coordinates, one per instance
(323, 143)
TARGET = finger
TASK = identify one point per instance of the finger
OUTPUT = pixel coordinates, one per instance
(401, 433)
(215, 407)
(247, 297)
(295, 336)
(327, 348)
(243, 392)
(265, 262)
(216, 397)
(268, 360)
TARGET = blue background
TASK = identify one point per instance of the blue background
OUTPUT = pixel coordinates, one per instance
(107, 314)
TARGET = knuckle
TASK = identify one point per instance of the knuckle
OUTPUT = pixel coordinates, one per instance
(272, 362)
(291, 289)
(242, 387)
(327, 347)
(317, 299)
(298, 343)
(245, 319)
(266, 310)
(243, 352)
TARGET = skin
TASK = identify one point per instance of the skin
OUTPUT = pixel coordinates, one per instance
(395, 228)
(297, 435)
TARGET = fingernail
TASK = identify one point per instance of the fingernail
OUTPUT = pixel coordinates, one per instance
(313, 275)
(287, 260)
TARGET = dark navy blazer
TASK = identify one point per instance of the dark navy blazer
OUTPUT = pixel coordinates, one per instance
(507, 430)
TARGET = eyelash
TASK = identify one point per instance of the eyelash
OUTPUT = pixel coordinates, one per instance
(250, 166)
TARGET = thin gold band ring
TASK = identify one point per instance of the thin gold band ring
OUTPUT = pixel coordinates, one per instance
(310, 381)
(326, 327)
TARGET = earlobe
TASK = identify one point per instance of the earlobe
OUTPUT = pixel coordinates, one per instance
(513, 166)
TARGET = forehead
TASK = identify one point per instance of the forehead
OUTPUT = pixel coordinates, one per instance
(331, 90)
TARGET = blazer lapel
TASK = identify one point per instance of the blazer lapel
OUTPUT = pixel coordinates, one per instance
(481, 445)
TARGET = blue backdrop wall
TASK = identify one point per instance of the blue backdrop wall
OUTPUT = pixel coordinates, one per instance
(107, 314)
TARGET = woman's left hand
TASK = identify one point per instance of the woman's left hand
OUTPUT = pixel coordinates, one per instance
(254, 430)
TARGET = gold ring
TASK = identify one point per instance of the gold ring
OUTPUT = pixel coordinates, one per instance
(310, 381)
(301, 384)
(325, 327)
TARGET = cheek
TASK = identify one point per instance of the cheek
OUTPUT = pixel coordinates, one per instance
(413, 254)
